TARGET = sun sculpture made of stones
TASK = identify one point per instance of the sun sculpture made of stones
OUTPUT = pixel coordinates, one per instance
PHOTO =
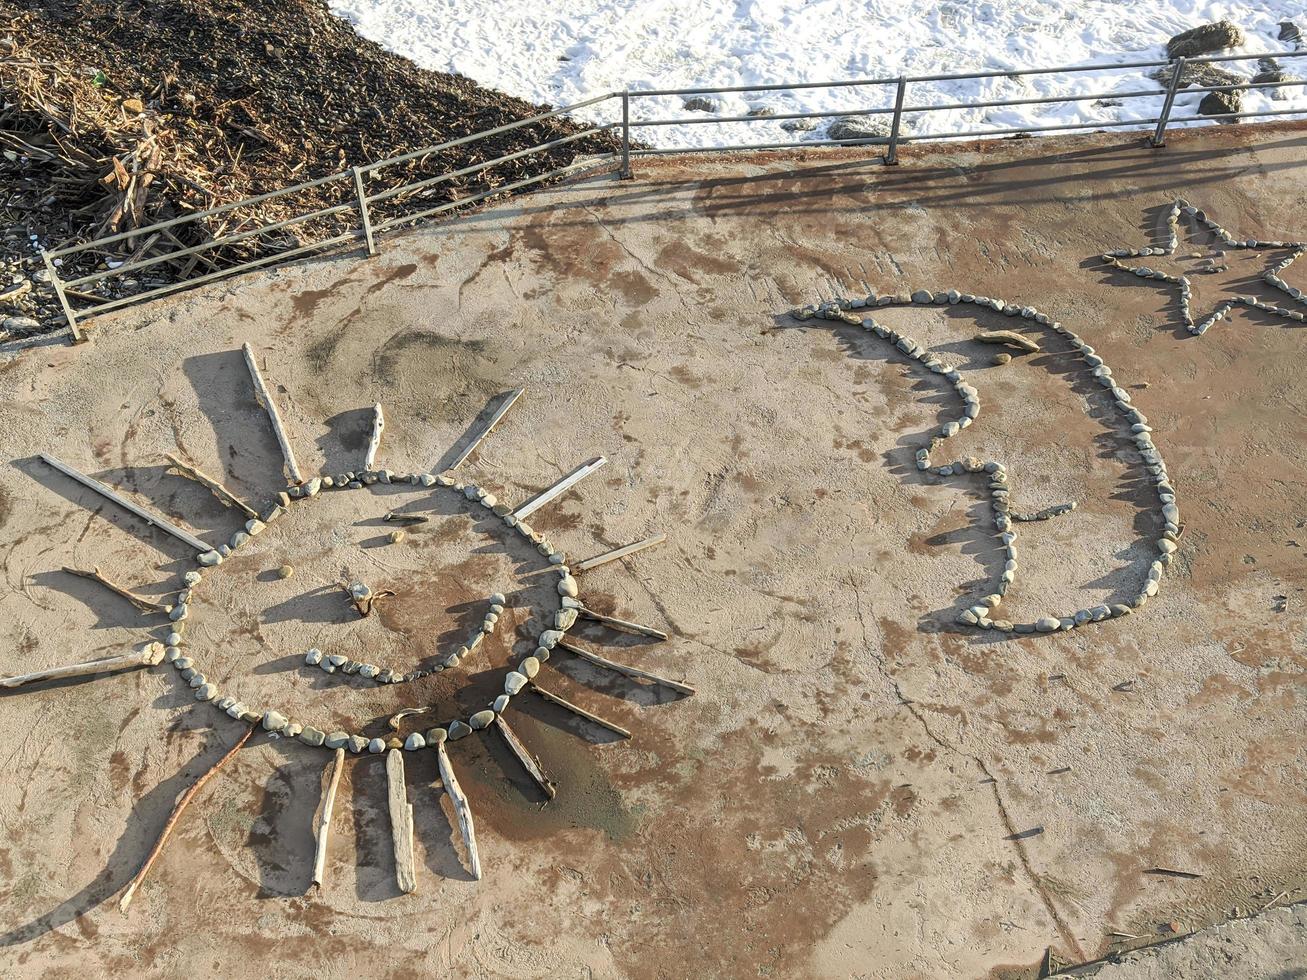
(1199, 324)
(985, 613)
(439, 729)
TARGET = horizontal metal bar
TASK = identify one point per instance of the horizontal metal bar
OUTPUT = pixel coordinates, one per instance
(426, 151)
(451, 205)
(1034, 130)
(432, 181)
(991, 73)
(1239, 115)
(212, 243)
(99, 308)
(737, 147)
(1049, 100)
(159, 226)
(701, 120)
(1239, 88)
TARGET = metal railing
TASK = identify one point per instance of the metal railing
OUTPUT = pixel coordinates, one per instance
(384, 195)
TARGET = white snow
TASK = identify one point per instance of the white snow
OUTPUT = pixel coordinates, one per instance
(566, 52)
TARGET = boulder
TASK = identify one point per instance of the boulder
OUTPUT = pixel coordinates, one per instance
(1204, 40)
(699, 103)
(859, 128)
(1278, 75)
(1200, 74)
(1219, 103)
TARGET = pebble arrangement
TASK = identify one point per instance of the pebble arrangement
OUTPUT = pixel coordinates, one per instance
(562, 619)
(1271, 276)
(982, 614)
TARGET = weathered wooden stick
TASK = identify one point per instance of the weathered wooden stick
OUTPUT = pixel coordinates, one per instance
(147, 656)
(500, 412)
(623, 625)
(611, 726)
(401, 822)
(228, 498)
(529, 762)
(325, 807)
(184, 799)
(378, 426)
(139, 601)
(270, 406)
(461, 808)
(594, 658)
(154, 520)
(559, 488)
(617, 553)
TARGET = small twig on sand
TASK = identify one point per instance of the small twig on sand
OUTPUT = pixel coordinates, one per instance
(139, 601)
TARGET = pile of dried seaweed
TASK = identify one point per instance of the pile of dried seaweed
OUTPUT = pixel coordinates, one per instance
(119, 116)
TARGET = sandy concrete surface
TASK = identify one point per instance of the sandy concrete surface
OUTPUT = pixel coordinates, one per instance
(861, 787)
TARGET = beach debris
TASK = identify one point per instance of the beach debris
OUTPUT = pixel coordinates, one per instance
(1009, 337)
(322, 822)
(621, 552)
(578, 711)
(182, 801)
(144, 513)
(401, 822)
(509, 400)
(227, 498)
(148, 655)
(462, 809)
(633, 672)
(528, 761)
(274, 416)
(623, 625)
(139, 601)
(374, 443)
(558, 489)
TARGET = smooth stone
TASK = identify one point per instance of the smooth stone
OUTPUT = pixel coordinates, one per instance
(313, 486)
(292, 729)
(530, 666)
(567, 586)
(237, 710)
(457, 730)
(500, 705)
(238, 539)
(1047, 624)
(197, 680)
(179, 612)
(549, 639)
(192, 577)
(313, 657)
(435, 736)
(357, 744)
(182, 663)
(274, 721)
(171, 653)
(1082, 616)
(1166, 546)
(482, 719)
(565, 619)
(414, 742)
(225, 702)
(514, 682)
(312, 736)
(426, 479)
(210, 558)
(206, 692)
(376, 746)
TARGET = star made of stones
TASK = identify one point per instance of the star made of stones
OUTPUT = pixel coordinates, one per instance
(1272, 275)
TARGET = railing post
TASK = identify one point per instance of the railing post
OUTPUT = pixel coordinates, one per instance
(892, 154)
(625, 172)
(1159, 134)
(363, 211)
(78, 336)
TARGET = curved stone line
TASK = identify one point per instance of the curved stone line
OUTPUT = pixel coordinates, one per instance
(1271, 276)
(1141, 433)
(274, 721)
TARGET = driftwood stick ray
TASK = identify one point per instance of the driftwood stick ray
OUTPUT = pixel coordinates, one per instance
(151, 518)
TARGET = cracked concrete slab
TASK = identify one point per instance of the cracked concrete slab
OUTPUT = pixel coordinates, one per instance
(862, 787)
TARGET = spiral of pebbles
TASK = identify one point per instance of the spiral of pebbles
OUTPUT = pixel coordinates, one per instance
(276, 722)
(1133, 420)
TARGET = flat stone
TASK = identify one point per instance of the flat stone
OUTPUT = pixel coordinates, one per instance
(313, 657)
(482, 719)
(1047, 624)
(206, 692)
(457, 730)
(237, 710)
(514, 682)
(565, 619)
(414, 742)
(436, 735)
(209, 558)
(274, 721)
(336, 740)
(376, 746)
(530, 666)
(501, 704)
(179, 612)
(567, 586)
(312, 736)
(549, 639)
(358, 744)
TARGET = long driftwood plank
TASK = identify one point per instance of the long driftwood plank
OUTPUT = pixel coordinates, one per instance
(528, 761)
(151, 518)
(274, 416)
(148, 656)
(323, 822)
(580, 712)
(461, 809)
(621, 552)
(500, 412)
(401, 822)
(599, 661)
